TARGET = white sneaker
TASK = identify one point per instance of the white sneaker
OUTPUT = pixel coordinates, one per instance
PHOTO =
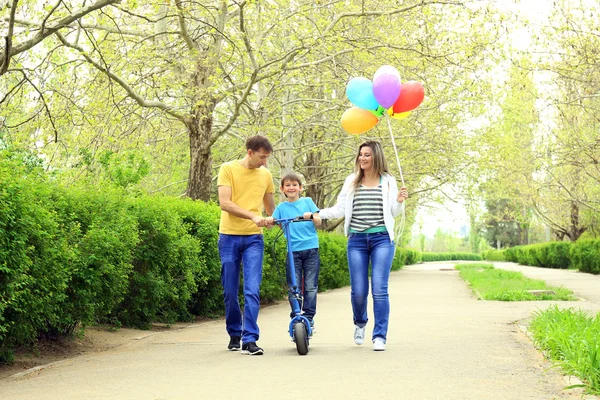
(359, 334)
(378, 344)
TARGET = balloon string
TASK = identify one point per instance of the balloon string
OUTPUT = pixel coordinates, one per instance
(387, 117)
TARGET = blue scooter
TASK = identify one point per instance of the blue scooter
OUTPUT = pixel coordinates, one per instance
(300, 330)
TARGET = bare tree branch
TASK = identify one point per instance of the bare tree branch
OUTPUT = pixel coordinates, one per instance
(12, 51)
(5, 59)
(128, 89)
(380, 13)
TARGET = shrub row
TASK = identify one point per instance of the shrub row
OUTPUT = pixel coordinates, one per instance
(583, 255)
(74, 257)
(425, 257)
(493, 255)
(408, 256)
(546, 255)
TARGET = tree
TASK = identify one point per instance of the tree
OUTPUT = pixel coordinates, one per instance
(183, 75)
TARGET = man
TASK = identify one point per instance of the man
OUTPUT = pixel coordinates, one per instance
(245, 187)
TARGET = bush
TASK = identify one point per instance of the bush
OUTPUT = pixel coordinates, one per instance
(585, 255)
(201, 221)
(545, 255)
(408, 256)
(165, 263)
(103, 236)
(493, 255)
(34, 253)
(450, 257)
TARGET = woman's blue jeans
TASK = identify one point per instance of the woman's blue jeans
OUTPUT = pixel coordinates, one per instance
(307, 265)
(378, 250)
(235, 250)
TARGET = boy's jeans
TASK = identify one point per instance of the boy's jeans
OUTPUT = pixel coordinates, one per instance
(235, 250)
(307, 264)
(379, 250)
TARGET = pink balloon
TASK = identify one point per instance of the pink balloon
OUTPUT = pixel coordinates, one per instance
(386, 89)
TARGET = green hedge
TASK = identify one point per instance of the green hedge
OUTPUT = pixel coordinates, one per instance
(493, 255)
(34, 247)
(546, 255)
(408, 256)
(71, 257)
(450, 257)
(585, 255)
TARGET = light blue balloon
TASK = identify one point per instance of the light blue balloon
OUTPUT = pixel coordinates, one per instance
(360, 93)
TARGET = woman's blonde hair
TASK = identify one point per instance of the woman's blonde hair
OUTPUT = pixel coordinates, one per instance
(380, 165)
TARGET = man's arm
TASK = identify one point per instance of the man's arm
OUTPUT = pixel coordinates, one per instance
(269, 202)
(230, 207)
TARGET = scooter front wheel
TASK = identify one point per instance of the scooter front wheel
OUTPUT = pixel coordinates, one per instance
(301, 338)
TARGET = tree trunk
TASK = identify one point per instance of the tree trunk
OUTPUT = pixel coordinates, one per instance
(199, 179)
(575, 229)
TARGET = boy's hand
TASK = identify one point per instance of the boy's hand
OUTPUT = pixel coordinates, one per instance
(307, 215)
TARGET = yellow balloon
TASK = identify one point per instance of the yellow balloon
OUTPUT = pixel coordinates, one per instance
(401, 115)
(358, 120)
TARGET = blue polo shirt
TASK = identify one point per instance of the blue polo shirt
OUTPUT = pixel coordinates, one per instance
(302, 234)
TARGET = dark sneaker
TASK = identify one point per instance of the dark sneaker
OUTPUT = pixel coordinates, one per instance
(252, 349)
(234, 343)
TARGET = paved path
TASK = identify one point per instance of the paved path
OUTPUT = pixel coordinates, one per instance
(442, 344)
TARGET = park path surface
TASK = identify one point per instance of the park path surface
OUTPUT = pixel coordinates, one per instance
(442, 344)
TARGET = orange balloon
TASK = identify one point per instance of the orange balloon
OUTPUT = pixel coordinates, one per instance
(358, 120)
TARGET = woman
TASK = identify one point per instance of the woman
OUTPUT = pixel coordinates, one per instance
(369, 201)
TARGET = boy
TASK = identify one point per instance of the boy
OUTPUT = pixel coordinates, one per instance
(305, 242)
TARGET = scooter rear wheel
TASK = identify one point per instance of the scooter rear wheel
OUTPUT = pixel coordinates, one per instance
(301, 338)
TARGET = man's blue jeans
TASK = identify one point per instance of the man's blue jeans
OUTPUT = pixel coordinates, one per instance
(377, 249)
(234, 251)
(307, 265)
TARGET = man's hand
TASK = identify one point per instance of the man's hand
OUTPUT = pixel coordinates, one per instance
(259, 221)
(262, 222)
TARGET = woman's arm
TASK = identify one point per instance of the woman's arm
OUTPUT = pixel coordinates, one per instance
(338, 210)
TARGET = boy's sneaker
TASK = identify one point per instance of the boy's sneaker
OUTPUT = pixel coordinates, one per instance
(234, 343)
(378, 344)
(312, 327)
(359, 334)
(252, 349)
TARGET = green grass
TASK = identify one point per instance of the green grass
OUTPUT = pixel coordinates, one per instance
(571, 339)
(497, 284)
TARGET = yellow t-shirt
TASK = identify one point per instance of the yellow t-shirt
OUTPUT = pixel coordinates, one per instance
(248, 188)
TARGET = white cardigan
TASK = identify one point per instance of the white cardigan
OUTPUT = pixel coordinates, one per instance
(343, 207)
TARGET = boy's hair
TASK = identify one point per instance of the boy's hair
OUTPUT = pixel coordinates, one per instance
(292, 177)
(255, 143)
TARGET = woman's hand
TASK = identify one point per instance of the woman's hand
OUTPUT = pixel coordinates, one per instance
(402, 195)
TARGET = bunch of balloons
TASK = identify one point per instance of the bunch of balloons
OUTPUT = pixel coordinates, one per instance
(385, 93)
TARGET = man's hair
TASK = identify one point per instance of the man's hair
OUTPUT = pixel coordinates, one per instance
(292, 177)
(255, 143)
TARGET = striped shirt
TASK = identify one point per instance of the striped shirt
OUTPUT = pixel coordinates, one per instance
(367, 209)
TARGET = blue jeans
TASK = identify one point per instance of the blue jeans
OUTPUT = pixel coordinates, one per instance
(377, 249)
(235, 250)
(307, 265)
